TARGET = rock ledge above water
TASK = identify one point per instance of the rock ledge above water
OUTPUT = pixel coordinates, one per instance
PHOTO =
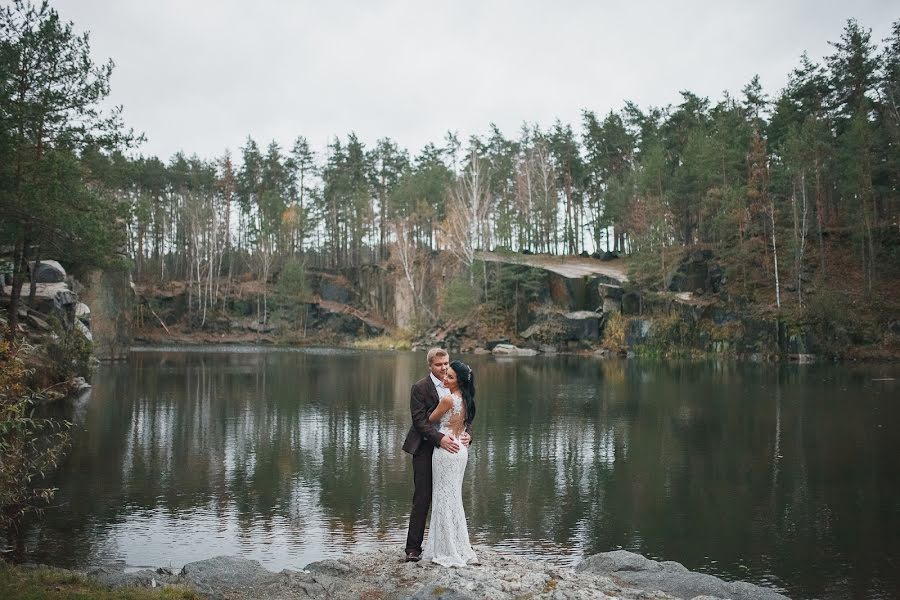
(383, 574)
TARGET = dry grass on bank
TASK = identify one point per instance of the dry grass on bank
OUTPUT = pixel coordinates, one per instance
(384, 342)
(46, 583)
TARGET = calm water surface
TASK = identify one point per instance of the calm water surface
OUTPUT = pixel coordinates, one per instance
(788, 477)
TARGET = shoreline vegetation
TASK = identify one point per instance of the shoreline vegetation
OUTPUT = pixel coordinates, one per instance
(575, 305)
(383, 574)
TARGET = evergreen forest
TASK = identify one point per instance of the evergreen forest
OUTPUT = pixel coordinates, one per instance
(793, 188)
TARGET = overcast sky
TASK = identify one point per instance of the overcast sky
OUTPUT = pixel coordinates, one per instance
(202, 75)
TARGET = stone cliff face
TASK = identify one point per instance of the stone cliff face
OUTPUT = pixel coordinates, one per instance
(587, 305)
(100, 308)
(110, 296)
(57, 323)
(582, 305)
(335, 306)
(55, 301)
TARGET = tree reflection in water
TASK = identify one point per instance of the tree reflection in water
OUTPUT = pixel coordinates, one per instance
(783, 476)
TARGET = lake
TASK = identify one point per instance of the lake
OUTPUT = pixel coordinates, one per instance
(785, 476)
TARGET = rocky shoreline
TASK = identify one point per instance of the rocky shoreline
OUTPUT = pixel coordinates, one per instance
(382, 574)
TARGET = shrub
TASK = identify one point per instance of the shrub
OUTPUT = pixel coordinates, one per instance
(29, 447)
(69, 353)
(614, 331)
(459, 298)
(292, 280)
(832, 318)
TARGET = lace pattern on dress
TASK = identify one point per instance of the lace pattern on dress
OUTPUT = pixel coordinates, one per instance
(448, 535)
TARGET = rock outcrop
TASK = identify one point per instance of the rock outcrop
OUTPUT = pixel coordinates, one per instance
(670, 577)
(511, 350)
(557, 328)
(53, 303)
(697, 272)
(48, 271)
(383, 574)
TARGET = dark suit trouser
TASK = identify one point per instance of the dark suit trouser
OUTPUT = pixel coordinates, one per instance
(421, 499)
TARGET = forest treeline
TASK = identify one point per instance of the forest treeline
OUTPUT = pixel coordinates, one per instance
(776, 183)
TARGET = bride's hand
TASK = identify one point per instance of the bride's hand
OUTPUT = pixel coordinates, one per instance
(465, 438)
(450, 444)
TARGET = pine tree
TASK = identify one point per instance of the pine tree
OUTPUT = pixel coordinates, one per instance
(51, 92)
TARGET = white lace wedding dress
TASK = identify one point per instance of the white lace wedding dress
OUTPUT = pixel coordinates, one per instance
(448, 535)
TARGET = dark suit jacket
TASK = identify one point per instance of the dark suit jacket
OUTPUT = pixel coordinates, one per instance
(423, 399)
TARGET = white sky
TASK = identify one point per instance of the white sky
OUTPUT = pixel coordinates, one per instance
(202, 75)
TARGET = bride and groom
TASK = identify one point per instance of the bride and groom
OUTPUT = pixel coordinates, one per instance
(443, 407)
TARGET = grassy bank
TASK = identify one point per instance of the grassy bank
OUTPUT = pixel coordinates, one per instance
(46, 583)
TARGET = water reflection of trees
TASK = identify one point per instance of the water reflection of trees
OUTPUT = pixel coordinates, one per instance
(744, 471)
(268, 437)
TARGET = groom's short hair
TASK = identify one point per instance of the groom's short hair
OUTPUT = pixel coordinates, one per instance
(434, 353)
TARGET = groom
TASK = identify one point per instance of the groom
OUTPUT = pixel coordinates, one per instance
(422, 439)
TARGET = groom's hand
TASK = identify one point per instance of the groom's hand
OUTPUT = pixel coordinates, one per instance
(465, 438)
(449, 444)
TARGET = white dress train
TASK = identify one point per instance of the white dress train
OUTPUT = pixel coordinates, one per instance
(448, 536)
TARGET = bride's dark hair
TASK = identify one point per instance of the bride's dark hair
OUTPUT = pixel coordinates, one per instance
(465, 378)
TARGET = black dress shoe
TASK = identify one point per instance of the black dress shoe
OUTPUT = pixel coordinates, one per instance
(413, 557)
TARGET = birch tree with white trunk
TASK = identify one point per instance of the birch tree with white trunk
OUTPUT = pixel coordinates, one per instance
(466, 227)
(405, 251)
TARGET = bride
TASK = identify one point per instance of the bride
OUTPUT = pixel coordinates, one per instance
(448, 535)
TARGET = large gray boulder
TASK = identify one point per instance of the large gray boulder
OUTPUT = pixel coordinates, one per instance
(83, 313)
(612, 306)
(52, 298)
(637, 331)
(83, 329)
(510, 350)
(670, 577)
(219, 577)
(37, 320)
(115, 576)
(696, 271)
(553, 327)
(48, 271)
(584, 325)
(631, 303)
(611, 297)
(216, 576)
(610, 290)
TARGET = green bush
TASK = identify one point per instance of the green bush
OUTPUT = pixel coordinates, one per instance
(69, 352)
(510, 291)
(292, 280)
(646, 268)
(29, 447)
(830, 314)
(459, 298)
